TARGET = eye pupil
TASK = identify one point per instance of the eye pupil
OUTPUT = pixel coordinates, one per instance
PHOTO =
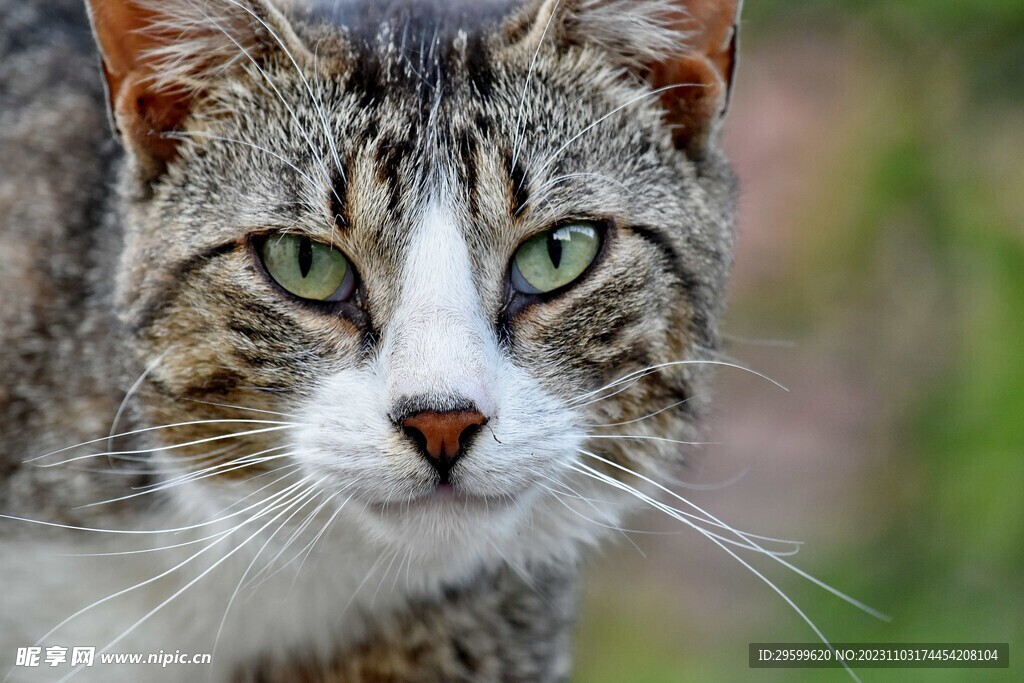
(305, 256)
(554, 250)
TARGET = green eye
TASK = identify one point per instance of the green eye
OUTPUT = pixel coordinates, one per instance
(308, 269)
(555, 258)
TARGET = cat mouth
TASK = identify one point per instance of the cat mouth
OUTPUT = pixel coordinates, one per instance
(444, 498)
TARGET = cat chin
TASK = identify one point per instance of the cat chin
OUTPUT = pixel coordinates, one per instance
(445, 528)
(446, 505)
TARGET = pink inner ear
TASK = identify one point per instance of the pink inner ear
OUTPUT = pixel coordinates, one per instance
(144, 114)
(123, 30)
(126, 38)
(698, 79)
(710, 25)
(696, 98)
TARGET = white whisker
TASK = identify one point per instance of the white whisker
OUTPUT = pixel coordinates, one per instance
(119, 593)
(309, 495)
(687, 518)
(708, 517)
(131, 392)
(244, 408)
(160, 427)
(192, 542)
(642, 437)
(639, 374)
(185, 135)
(639, 419)
(542, 192)
(191, 583)
(752, 540)
(209, 439)
(128, 532)
(394, 557)
(362, 583)
(213, 471)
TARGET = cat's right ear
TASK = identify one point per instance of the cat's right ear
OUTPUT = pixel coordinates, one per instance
(161, 56)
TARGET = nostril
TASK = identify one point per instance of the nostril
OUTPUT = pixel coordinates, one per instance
(417, 436)
(467, 435)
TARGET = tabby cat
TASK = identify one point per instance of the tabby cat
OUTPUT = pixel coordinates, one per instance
(368, 320)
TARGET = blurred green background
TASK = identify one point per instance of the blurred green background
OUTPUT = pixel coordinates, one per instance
(880, 276)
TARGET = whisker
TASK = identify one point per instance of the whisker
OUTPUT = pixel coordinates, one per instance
(191, 583)
(215, 470)
(310, 495)
(362, 583)
(688, 519)
(519, 570)
(558, 495)
(640, 419)
(718, 485)
(249, 458)
(723, 544)
(127, 532)
(384, 577)
(270, 83)
(186, 135)
(290, 466)
(305, 552)
(542, 192)
(167, 572)
(708, 517)
(398, 571)
(131, 391)
(308, 549)
(174, 425)
(642, 437)
(209, 439)
(245, 408)
(192, 542)
(749, 538)
(255, 580)
(639, 374)
(593, 505)
(569, 492)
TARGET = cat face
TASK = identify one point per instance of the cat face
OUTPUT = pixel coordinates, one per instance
(458, 278)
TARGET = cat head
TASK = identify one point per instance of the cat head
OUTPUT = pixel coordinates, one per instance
(455, 272)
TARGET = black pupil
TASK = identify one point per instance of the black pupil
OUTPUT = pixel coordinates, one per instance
(554, 250)
(305, 256)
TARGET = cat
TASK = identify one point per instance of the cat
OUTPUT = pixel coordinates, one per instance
(366, 323)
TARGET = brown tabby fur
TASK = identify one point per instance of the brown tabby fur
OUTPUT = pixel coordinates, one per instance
(117, 266)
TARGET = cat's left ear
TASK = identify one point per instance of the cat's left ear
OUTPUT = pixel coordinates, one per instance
(685, 48)
(161, 56)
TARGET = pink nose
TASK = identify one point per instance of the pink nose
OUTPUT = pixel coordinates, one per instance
(442, 437)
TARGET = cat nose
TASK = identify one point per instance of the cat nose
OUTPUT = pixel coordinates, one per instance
(442, 437)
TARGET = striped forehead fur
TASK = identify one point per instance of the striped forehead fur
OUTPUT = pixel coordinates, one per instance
(196, 41)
